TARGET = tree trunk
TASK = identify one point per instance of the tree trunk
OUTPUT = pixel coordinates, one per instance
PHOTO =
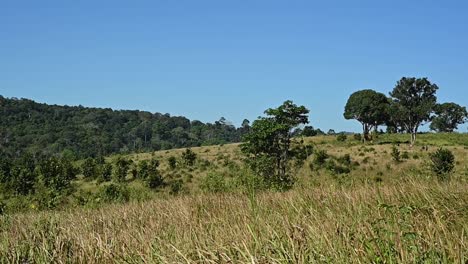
(365, 132)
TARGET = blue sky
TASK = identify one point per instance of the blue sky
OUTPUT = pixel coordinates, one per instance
(207, 59)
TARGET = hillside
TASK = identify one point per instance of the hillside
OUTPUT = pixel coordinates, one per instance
(360, 205)
(78, 132)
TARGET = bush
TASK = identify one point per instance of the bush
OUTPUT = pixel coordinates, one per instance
(357, 137)
(337, 169)
(341, 137)
(89, 169)
(345, 160)
(176, 187)
(189, 157)
(214, 182)
(321, 157)
(395, 154)
(172, 161)
(442, 162)
(114, 193)
(105, 173)
(122, 166)
(405, 155)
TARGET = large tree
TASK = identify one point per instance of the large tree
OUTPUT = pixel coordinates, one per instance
(368, 107)
(413, 101)
(448, 117)
(268, 143)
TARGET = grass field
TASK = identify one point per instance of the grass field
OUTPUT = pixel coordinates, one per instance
(382, 211)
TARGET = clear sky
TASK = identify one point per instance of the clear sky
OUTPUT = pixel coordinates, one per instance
(207, 59)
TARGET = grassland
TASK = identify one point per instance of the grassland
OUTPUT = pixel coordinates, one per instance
(380, 212)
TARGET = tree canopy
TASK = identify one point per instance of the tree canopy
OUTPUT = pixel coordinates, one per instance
(269, 141)
(413, 102)
(80, 132)
(448, 117)
(368, 107)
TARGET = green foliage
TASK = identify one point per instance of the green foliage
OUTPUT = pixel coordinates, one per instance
(309, 131)
(172, 161)
(176, 186)
(341, 137)
(395, 154)
(214, 183)
(89, 169)
(368, 107)
(405, 155)
(357, 137)
(189, 157)
(320, 157)
(122, 165)
(448, 117)
(105, 172)
(56, 174)
(267, 146)
(80, 132)
(413, 101)
(333, 167)
(301, 153)
(114, 193)
(153, 177)
(442, 162)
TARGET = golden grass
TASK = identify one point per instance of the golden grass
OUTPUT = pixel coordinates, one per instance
(409, 222)
(409, 217)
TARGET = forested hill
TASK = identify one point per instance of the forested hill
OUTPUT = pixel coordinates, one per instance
(77, 131)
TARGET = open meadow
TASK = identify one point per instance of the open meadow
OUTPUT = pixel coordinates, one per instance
(357, 205)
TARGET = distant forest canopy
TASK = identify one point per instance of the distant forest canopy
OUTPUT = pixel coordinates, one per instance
(77, 132)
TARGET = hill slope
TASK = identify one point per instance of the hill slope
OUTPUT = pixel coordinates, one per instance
(380, 211)
(27, 126)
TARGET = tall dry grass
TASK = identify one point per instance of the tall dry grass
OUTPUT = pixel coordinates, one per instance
(414, 221)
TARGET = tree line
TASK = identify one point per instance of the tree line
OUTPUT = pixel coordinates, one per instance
(80, 132)
(412, 103)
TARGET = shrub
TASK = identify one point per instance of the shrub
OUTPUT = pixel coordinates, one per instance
(114, 193)
(122, 166)
(189, 157)
(214, 182)
(89, 169)
(172, 161)
(405, 155)
(357, 137)
(395, 154)
(176, 187)
(321, 157)
(335, 168)
(442, 162)
(345, 160)
(105, 173)
(341, 137)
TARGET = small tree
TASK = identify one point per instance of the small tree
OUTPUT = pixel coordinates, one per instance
(154, 178)
(105, 172)
(448, 117)
(267, 146)
(413, 102)
(89, 169)
(122, 165)
(442, 162)
(55, 174)
(189, 157)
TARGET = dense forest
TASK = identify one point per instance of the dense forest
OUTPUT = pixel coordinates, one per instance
(77, 131)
